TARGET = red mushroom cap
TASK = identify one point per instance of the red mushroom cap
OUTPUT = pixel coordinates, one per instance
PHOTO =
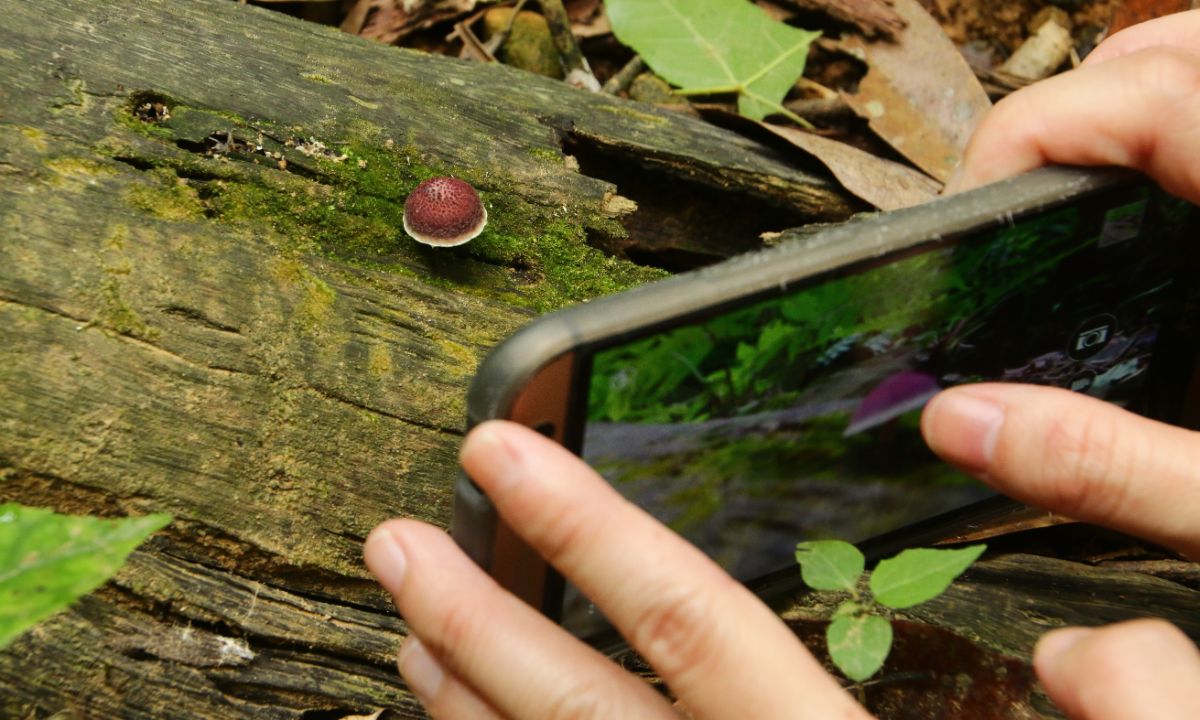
(444, 212)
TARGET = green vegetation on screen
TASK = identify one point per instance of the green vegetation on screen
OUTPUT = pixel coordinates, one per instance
(760, 357)
(48, 561)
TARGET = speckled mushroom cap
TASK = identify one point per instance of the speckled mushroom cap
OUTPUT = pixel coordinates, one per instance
(444, 212)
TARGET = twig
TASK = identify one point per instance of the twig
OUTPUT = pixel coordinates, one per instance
(579, 73)
(476, 48)
(473, 47)
(494, 42)
(620, 81)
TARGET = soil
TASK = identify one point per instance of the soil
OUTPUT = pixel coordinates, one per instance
(1002, 26)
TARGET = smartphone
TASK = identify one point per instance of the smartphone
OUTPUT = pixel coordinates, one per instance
(775, 398)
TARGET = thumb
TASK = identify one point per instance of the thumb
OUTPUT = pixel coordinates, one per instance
(1138, 670)
(1074, 455)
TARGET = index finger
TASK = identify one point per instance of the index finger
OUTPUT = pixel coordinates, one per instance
(1140, 110)
(1075, 455)
(724, 653)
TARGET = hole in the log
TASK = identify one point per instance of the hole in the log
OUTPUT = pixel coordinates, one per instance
(337, 713)
(135, 162)
(150, 107)
(679, 224)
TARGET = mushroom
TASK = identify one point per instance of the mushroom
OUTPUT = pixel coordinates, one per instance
(444, 212)
(904, 391)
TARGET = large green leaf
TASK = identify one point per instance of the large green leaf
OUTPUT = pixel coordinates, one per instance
(915, 576)
(830, 564)
(716, 46)
(47, 561)
(859, 645)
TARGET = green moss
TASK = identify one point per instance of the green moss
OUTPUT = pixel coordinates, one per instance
(316, 77)
(548, 154)
(379, 361)
(168, 197)
(35, 136)
(77, 171)
(347, 203)
(316, 295)
(114, 313)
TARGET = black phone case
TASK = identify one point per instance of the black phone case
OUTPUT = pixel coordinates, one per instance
(513, 363)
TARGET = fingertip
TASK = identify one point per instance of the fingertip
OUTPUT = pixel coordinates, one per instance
(1052, 647)
(384, 556)
(962, 426)
(1143, 668)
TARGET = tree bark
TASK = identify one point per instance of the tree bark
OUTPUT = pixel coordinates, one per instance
(207, 308)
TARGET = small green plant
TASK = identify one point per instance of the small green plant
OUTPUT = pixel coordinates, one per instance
(47, 561)
(859, 639)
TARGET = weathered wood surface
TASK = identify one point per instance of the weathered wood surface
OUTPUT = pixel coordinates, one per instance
(188, 324)
(239, 335)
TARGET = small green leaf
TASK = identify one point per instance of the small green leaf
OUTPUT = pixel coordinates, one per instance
(716, 46)
(916, 576)
(859, 645)
(47, 561)
(830, 564)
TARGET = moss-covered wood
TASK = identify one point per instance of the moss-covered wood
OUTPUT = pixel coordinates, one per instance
(207, 308)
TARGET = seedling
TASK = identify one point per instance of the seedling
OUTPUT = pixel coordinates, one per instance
(859, 637)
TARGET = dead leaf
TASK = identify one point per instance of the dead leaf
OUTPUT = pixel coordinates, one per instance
(579, 11)
(1017, 519)
(596, 26)
(1132, 12)
(871, 17)
(885, 184)
(919, 94)
(389, 20)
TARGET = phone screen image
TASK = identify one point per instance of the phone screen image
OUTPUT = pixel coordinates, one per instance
(796, 417)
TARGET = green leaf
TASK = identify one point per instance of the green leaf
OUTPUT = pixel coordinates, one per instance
(916, 576)
(830, 564)
(47, 561)
(859, 645)
(716, 46)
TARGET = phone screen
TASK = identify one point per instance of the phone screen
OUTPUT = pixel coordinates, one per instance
(796, 417)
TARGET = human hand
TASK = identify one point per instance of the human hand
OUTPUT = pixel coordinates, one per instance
(476, 651)
(1093, 461)
(1132, 103)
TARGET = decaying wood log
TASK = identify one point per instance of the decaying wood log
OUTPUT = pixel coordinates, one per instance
(207, 308)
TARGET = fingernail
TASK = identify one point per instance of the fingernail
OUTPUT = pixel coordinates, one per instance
(422, 673)
(385, 558)
(967, 428)
(1055, 644)
(487, 454)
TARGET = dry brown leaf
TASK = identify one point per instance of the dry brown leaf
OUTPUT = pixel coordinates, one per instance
(885, 184)
(581, 11)
(1017, 519)
(1132, 12)
(919, 94)
(595, 26)
(389, 20)
(871, 17)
